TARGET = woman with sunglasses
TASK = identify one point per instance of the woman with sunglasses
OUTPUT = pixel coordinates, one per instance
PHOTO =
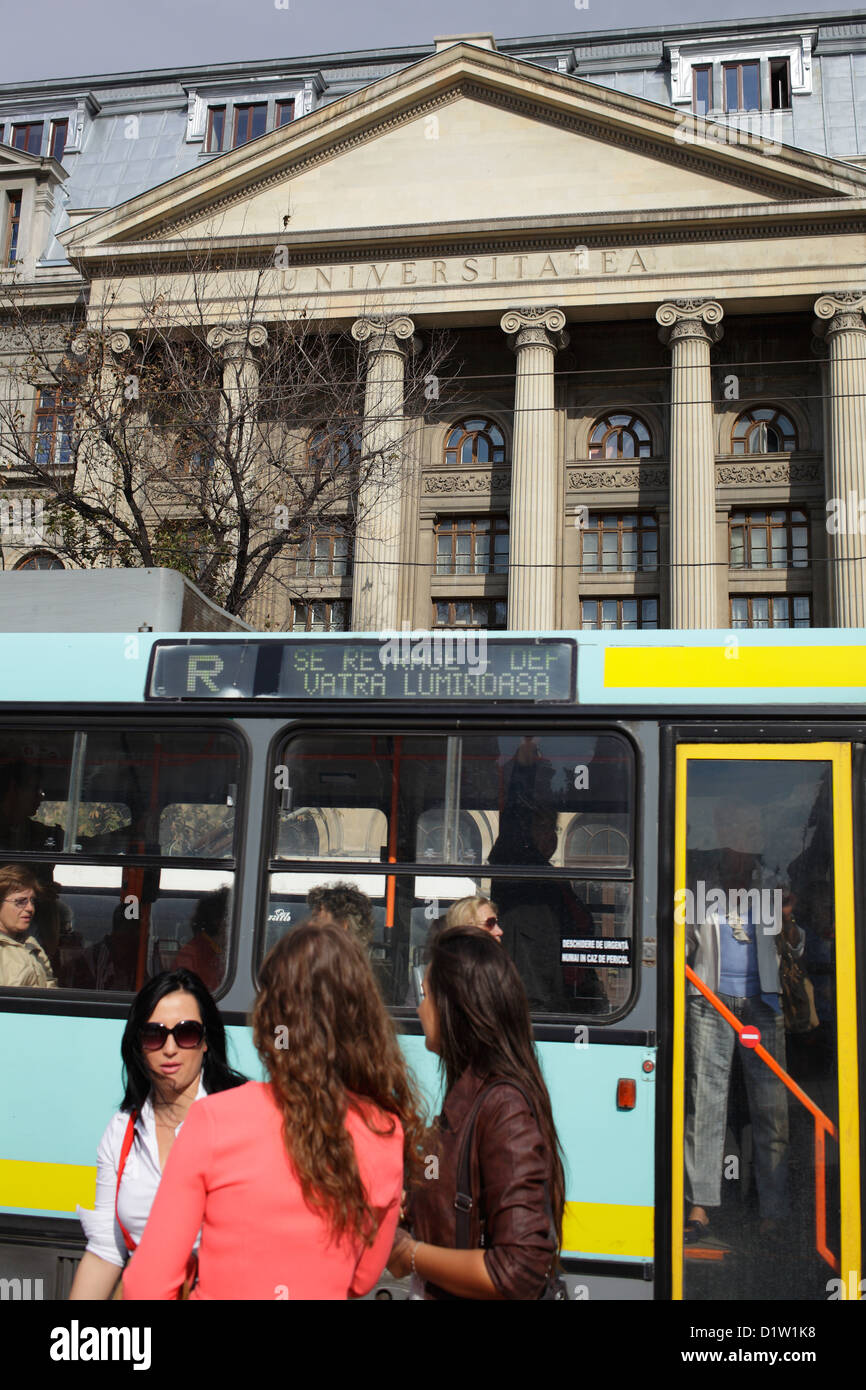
(495, 1141)
(474, 912)
(174, 1052)
(295, 1181)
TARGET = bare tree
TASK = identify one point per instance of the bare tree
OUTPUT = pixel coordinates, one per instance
(200, 430)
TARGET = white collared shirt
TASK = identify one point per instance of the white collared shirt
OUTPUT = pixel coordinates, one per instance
(141, 1177)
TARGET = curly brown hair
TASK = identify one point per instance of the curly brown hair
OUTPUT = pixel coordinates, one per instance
(346, 905)
(327, 1042)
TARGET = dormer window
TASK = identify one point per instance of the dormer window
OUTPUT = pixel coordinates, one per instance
(216, 125)
(285, 113)
(57, 144)
(250, 122)
(28, 137)
(742, 86)
(13, 225)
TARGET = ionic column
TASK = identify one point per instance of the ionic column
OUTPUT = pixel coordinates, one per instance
(535, 335)
(99, 473)
(842, 324)
(235, 343)
(690, 327)
(376, 581)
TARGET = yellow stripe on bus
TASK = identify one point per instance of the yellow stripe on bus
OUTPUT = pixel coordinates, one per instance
(733, 667)
(597, 1228)
(46, 1186)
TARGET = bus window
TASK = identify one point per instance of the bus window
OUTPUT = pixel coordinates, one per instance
(471, 799)
(76, 807)
(542, 826)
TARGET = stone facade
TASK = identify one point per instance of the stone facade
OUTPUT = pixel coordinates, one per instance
(656, 315)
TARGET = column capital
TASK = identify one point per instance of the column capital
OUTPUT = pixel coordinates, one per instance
(384, 335)
(236, 339)
(690, 318)
(532, 326)
(841, 311)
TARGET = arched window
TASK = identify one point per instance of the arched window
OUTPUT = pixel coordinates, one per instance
(763, 430)
(332, 447)
(620, 436)
(40, 560)
(475, 441)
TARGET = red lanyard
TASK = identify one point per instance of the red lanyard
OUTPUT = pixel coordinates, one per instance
(124, 1153)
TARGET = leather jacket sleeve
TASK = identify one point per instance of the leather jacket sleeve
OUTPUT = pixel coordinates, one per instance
(513, 1167)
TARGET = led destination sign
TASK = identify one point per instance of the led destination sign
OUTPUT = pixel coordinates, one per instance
(437, 666)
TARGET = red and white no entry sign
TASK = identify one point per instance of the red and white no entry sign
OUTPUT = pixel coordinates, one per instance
(750, 1036)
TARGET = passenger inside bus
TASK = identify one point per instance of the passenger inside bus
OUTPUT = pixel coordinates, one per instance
(23, 963)
(205, 951)
(736, 955)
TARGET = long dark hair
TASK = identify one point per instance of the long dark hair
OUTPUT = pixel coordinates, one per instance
(327, 1042)
(216, 1072)
(484, 1024)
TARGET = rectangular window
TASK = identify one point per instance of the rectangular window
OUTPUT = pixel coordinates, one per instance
(780, 84)
(53, 434)
(472, 545)
(13, 225)
(491, 614)
(2, 133)
(742, 86)
(250, 122)
(527, 835)
(28, 137)
(216, 124)
(702, 90)
(327, 555)
(771, 610)
(619, 543)
(322, 615)
(86, 800)
(618, 614)
(285, 113)
(57, 144)
(769, 539)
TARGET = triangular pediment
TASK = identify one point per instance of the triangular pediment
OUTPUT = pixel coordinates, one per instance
(19, 164)
(466, 136)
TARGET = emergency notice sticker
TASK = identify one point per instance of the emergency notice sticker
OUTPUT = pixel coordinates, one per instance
(602, 950)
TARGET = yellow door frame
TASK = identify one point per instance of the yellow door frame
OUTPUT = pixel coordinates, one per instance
(838, 755)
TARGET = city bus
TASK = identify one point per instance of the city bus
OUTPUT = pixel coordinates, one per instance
(650, 812)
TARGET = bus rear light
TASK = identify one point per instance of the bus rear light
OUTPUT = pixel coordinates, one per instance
(626, 1093)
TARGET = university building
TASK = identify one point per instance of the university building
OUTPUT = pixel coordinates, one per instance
(646, 251)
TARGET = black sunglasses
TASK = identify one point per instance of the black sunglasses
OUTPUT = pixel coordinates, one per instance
(189, 1033)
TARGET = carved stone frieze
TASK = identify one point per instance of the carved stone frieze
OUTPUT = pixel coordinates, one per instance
(51, 336)
(457, 484)
(780, 471)
(598, 479)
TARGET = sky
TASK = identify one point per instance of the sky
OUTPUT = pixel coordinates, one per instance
(56, 38)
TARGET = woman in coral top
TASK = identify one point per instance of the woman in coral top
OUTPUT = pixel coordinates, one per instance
(295, 1182)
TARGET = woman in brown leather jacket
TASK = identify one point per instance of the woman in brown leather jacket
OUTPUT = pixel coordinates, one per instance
(475, 1016)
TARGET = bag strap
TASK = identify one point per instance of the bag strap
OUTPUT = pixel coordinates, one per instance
(463, 1202)
(124, 1154)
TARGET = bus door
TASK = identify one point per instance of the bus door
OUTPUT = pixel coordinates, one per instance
(765, 1201)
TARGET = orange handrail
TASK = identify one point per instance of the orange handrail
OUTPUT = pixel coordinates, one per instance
(823, 1125)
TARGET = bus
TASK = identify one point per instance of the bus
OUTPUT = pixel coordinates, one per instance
(669, 823)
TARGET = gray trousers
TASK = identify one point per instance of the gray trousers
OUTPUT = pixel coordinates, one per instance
(710, 1043)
